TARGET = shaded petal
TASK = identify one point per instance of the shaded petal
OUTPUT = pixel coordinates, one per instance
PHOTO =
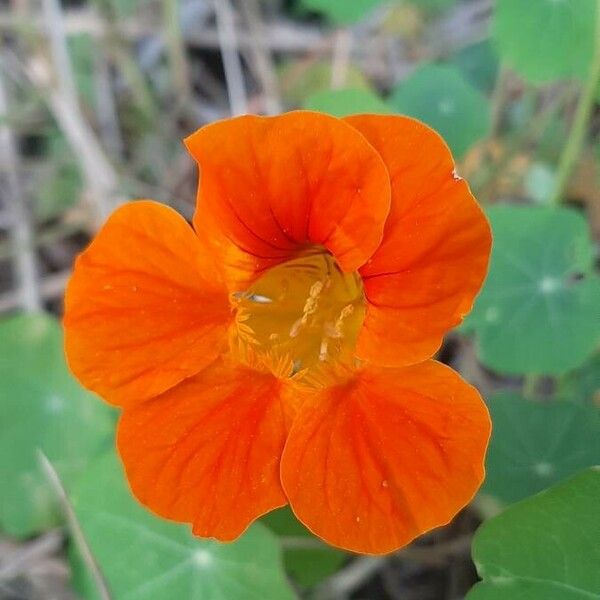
(270, 186)
(208, 451)
(144, 308)
(393, 453)
(434, 256)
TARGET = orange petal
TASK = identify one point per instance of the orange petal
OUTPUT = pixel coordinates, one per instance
(273, 185)
(373, 463)
(208, 450)
(434, 256)
(143, 309)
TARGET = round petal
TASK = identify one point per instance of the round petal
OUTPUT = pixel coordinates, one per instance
(144, 308)
(371, 464)
(434, 256)
(271, 186)
(208, 450)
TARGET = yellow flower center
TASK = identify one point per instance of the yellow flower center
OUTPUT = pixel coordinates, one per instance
(300, 319)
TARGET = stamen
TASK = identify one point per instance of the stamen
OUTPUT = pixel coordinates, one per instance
(323, 349)
(299, 320)
(310, 308)
(346, 312)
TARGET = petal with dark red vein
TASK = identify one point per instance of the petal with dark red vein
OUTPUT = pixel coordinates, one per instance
(434, 255)
(207, 451)
(272, 186)
(373, 463)
(144, 308)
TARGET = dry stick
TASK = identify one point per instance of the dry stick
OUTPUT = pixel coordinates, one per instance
(59, 50)
(51, 287)
(75, 528)
(108, 121)
(282, 36)
(19, 563)
(340, 61)
(263, 61)
(28, 295)
(349, 578)
(234, 75)
(63, 103)
(582, 114)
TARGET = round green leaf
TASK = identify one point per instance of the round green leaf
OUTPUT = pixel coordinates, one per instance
(536, 444)
(433, 5)
(307, 565)
(342, 12)
(538, 311)
(143, 557)
(546, 547)
(545, 40)
(43, 407)
(479, 64)
(442, 98)
(340, 103)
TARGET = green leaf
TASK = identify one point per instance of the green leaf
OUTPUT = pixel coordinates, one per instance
(42, 407)
(433, 5)
(536, 444)
(538, 311)
(479, 65)
(340, 103)
(442, 98)
(308, 566)
(544, 548)
(144, 557)
(546, 40)
(342, 12)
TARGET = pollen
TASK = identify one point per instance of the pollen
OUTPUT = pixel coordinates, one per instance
(300, 319)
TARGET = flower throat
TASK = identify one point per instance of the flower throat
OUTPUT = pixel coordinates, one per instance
(300, 319)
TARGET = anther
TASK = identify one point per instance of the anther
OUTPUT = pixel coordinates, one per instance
(310, 307)
(346, 312)
(323, 349)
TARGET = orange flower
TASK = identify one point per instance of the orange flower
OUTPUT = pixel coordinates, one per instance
(279, 351)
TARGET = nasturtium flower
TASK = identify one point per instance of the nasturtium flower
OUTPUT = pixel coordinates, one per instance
(280, 350)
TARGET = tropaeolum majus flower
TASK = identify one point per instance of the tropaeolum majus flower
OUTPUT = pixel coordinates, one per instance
(280, 350)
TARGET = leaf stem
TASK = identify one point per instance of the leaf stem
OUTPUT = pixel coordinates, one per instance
(76, 531)
(576, 137)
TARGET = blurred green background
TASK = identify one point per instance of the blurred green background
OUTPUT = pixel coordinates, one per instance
(95, 96)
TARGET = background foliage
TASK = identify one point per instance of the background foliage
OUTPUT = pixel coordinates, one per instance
(94, 98)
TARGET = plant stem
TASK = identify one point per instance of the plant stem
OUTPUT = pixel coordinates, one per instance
(576, 137)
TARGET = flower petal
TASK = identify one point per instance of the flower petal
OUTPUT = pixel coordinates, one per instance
(208, 450)
(274, 185)
(434, 256)
(144, 308)
(393, 453)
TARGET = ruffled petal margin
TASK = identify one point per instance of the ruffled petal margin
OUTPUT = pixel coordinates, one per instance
(271, 187)
(208, 450)
(144, 308)
(371, 464)
(434, 256)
